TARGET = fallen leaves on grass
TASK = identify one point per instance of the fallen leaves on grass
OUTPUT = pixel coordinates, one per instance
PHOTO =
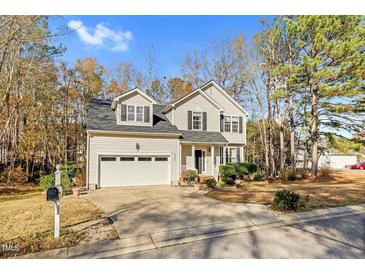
(26, 222)
(343, 188)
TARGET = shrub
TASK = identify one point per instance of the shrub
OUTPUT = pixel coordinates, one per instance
(285, 200)
(48, 181)
(244, 168)
(72, 170)
(240, 168)
(228, 170)
(258, 177)
(236, 170)
(303, 173)
(326, 171)
(2, 177)
(228, 180)
(81, 179)
(16, 175)
(291, 175)
(189, 175)
(211, 183)
(221, 183)
(252, 168)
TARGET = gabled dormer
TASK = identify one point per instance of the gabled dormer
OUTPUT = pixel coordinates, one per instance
(194, 111)
(133, 108)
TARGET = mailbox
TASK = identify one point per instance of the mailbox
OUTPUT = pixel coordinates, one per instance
(52, 194)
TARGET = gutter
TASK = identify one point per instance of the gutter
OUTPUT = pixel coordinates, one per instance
(134, 133)
(199, 142)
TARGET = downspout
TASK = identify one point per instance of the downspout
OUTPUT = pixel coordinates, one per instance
(87, 159)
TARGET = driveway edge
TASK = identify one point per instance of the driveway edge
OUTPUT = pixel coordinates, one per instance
(111, 248)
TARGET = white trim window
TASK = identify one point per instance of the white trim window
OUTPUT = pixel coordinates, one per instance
(135, 113)
(197, 121)
(231, 154)
(227, 123)
(130, 113)
(234, 124)
(231, 123)
(139, 113)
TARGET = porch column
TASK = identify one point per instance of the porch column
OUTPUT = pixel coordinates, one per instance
(193, 156)
(180, 160)
(224, 155)
(213, 156)
(242, 159)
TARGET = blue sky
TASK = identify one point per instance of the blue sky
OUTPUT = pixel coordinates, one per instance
(114, 39)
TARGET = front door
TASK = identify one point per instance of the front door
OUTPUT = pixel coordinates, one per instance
(200, 161)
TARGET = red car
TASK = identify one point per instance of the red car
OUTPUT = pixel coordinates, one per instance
(358, 166)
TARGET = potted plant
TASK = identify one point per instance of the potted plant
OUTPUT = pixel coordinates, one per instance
(76, 190)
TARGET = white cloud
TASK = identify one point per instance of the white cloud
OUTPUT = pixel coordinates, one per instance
(102, 36)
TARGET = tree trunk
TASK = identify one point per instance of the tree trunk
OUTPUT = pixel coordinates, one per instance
(292, 135)
(314, 131)
(305, 157)
(265, 146)
(269, 129)
(282, 159)
(291, 108)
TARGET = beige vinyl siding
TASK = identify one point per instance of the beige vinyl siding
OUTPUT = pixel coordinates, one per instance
(200, 104)
(229, 109)
(169, 116)
(237, 138)
(102, 144)
(134, 99)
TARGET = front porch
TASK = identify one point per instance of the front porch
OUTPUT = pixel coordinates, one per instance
(206, 158)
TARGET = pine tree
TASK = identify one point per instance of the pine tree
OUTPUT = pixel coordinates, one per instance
(330, 68)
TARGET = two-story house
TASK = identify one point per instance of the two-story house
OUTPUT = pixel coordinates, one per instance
(132, 140)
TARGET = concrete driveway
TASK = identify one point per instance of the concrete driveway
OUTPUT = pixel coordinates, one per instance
(144, 210)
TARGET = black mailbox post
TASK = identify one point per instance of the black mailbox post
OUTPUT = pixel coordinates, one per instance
(52, 194)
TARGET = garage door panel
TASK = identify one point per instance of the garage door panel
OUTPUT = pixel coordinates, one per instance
(134, 170)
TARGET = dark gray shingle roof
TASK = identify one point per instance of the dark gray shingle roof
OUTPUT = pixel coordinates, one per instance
(102, 117)
(202, 136)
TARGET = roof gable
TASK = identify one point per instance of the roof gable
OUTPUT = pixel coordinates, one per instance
(224, 93)
(191, 95)
(130, 92)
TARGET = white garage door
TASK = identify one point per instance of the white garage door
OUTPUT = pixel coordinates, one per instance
(134, 170)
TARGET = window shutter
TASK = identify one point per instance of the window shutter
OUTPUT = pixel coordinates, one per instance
(146, 114)
(240, 124)
(221, 123)
(123, 112)
(238, 155)
(190, 117)
(204, 121)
